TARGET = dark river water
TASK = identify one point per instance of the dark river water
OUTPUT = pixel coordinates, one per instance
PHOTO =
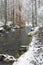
(10, 42)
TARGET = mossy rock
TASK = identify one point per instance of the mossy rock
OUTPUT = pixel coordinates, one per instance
(30, 38)
(7, 28)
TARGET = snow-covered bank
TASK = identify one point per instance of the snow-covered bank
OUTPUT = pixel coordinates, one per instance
(7, 58)
(34, 31)
(34, 56)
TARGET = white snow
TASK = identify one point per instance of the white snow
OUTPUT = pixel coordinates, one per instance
(1, 23)
(34, 31)
(16, 26)
(28, 24)
(1, 28)
(13, 30)
(40, 16)
(9, 23)
(40, 11)
(8, 57)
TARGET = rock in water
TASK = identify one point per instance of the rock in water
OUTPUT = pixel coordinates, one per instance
(34, 56)
(7, 58)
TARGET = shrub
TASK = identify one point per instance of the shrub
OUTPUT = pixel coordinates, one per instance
(6, 27)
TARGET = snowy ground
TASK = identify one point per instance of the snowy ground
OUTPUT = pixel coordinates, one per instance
(34, 56)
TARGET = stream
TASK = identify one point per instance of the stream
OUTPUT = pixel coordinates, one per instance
(10, 42)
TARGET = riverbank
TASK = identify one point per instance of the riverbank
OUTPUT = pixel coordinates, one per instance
(34, 55)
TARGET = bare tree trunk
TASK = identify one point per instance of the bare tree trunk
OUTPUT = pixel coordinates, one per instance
(8, 10)
(39, 3)
(39, 7)
(5, 1)
(32, 15)
(13, 14)
(1, 8)
(36, 12)
(19, 14)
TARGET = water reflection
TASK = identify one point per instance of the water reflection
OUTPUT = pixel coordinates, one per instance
(10, 42)
(4, 63)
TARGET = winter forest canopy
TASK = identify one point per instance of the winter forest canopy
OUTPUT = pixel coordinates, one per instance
(21, 12)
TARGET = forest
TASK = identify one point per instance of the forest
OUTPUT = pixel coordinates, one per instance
(21, 32)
